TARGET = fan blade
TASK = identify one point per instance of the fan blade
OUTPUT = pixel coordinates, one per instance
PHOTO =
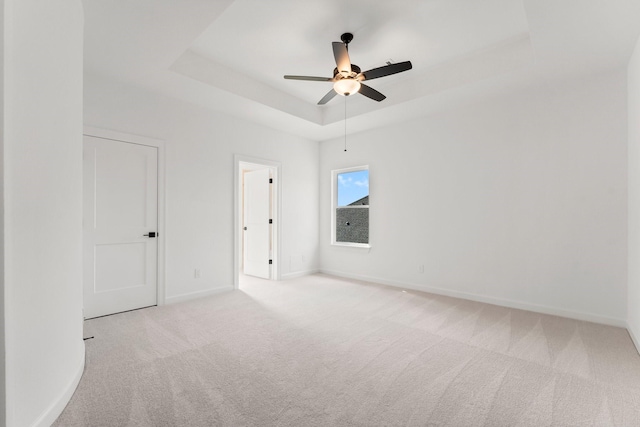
(387, 70)
(342, 56)
(328, 97)
(370, 92)
(309, 78)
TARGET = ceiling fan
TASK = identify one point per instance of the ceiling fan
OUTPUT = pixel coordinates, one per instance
(347, 77)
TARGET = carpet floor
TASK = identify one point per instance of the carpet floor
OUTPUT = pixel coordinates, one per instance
(323, 351)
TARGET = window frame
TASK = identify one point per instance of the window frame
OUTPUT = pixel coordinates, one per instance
(334, 205)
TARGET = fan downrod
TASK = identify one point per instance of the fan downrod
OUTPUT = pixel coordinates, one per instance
(346, 38)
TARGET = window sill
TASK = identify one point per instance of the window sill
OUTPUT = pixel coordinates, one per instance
(352, 245)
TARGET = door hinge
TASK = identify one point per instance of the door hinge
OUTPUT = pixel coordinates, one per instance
(270, 180)
(270, 221)
(270, 261)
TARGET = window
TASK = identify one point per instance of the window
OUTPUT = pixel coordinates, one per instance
(350, 207)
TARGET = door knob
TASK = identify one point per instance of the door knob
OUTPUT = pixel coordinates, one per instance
(151, 234)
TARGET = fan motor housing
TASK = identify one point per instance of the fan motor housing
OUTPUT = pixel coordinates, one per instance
(355, 70)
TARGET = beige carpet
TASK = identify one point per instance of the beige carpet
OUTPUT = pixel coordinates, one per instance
(322, 351)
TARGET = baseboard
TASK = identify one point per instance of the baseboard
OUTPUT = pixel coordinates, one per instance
(56, 408)
(197, 294)
(299, 274)
(634, 337)
(554, 311)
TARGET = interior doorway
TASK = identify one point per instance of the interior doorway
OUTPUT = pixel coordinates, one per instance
(256, 194)
(123, 221)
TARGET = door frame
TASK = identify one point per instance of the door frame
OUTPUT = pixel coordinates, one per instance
(276, 168)
(160, 145)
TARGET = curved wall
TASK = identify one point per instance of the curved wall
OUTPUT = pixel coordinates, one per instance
(43, 207)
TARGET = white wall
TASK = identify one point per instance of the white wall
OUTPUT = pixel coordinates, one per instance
(633, 102)
(200, 146)
(3, 383)
(43, 206)
(519, 201)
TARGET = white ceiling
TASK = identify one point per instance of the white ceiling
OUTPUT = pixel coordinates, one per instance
(231, 55)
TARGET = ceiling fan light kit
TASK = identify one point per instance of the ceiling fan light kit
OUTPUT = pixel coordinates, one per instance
(347, 77)
(346, 86)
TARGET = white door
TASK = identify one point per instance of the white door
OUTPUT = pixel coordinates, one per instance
(120, 217)
(257, 239)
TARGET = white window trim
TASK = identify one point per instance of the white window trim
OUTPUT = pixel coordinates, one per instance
(334, 206)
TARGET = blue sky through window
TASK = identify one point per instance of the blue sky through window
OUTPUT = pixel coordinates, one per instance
(352, 186)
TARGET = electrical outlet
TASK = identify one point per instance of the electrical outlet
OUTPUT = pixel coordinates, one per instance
(421, 269)
(196, 273)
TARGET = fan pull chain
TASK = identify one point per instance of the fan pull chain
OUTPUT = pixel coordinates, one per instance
(345, 123)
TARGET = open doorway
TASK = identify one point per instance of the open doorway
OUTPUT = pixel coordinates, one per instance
(256, 195)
